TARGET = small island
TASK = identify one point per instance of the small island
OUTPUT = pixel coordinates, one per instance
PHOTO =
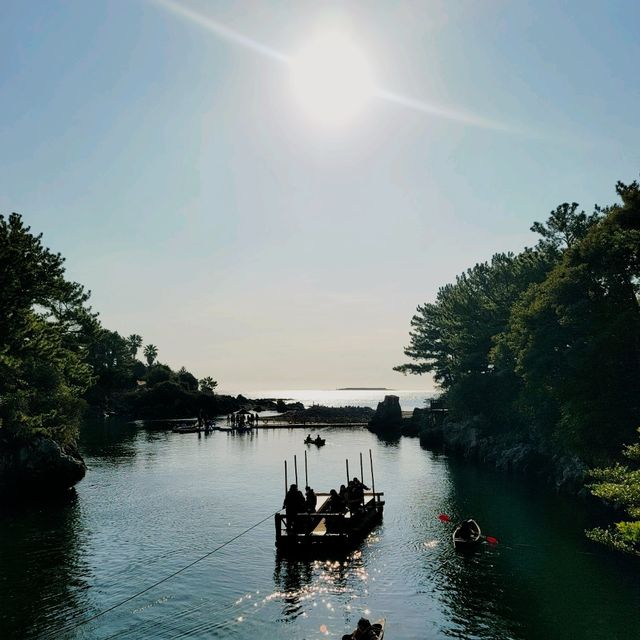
(363, 389)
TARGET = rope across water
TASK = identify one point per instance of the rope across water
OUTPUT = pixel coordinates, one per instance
(72, 627)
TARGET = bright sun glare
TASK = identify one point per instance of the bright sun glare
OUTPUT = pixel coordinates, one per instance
(332, 79)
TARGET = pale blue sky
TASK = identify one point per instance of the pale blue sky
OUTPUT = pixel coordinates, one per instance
(188, 191)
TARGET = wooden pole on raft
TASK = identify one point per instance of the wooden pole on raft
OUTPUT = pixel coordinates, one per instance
(286, 486)
(361, 469)
(306, 472)
(373, 482)
(347, 463)
(295, 468)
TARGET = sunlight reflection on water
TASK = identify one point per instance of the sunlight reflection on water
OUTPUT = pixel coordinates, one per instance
(155, 501)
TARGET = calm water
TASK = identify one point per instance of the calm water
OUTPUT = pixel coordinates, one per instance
(154, 501)
(343, 398)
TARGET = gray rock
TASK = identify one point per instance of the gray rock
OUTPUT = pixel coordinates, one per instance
(39, 466)
(388, 416)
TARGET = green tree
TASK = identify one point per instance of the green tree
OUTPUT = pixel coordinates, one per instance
(187, 380)
(575, 337)
(620, 485)
(134, 341)
(112, 363)
(454, 337)
(564, 227)
(158, 373)
(208, 384)
(150, 353)
(43, 317)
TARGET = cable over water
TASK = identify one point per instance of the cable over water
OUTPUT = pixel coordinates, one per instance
(81, 623)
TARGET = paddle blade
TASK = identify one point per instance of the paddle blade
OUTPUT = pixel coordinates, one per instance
(443, 517)
(491, 540)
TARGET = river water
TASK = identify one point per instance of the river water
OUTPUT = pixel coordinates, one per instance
(154, 501)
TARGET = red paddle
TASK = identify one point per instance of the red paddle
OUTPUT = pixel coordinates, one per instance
(491, 540)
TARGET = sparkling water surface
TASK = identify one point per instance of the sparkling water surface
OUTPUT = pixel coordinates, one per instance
(154, 501)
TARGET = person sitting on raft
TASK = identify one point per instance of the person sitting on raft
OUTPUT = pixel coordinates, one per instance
(294, 504)
(356, 494)
(311, 500)
(335, 504)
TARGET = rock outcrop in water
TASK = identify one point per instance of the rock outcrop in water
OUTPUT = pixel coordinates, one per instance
(388, 416)
(39, 466)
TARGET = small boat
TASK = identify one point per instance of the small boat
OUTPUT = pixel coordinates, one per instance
(467, 535)
(317, 441)
(377, 628)
(186, 428)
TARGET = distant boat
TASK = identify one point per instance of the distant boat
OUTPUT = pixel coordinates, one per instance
(193, 428)
(317, 441)
(186, 428)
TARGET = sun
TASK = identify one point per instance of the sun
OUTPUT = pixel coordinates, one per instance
(332, 79)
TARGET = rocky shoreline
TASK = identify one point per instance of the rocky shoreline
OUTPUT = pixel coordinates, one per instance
(43, 466)
(38, 467)
(565, 473)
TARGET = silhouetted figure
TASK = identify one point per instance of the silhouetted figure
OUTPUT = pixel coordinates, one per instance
(311, 500)
(294, 503)
(364, 631)
(356, 494)
(336, 504)
(468, 529)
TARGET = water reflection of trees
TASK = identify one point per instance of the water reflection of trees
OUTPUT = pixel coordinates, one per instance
(108, 438)
(44, 577)
(470, 582)
(389, 439)
(119, 441)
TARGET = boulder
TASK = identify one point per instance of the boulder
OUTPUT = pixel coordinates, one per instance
(388, 416)
(39, 466)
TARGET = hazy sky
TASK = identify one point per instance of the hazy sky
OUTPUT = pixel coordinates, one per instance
(169, 160)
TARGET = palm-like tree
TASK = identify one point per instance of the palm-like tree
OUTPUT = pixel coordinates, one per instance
(134, 341)
(150, 353)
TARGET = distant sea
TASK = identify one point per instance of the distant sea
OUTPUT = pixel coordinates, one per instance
(409, 399)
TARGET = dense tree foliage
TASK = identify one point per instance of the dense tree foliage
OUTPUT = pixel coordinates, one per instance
(43, 318)
(208, 384)
(545, 343)
(55, 356)
(575, 337)
(620, 485)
